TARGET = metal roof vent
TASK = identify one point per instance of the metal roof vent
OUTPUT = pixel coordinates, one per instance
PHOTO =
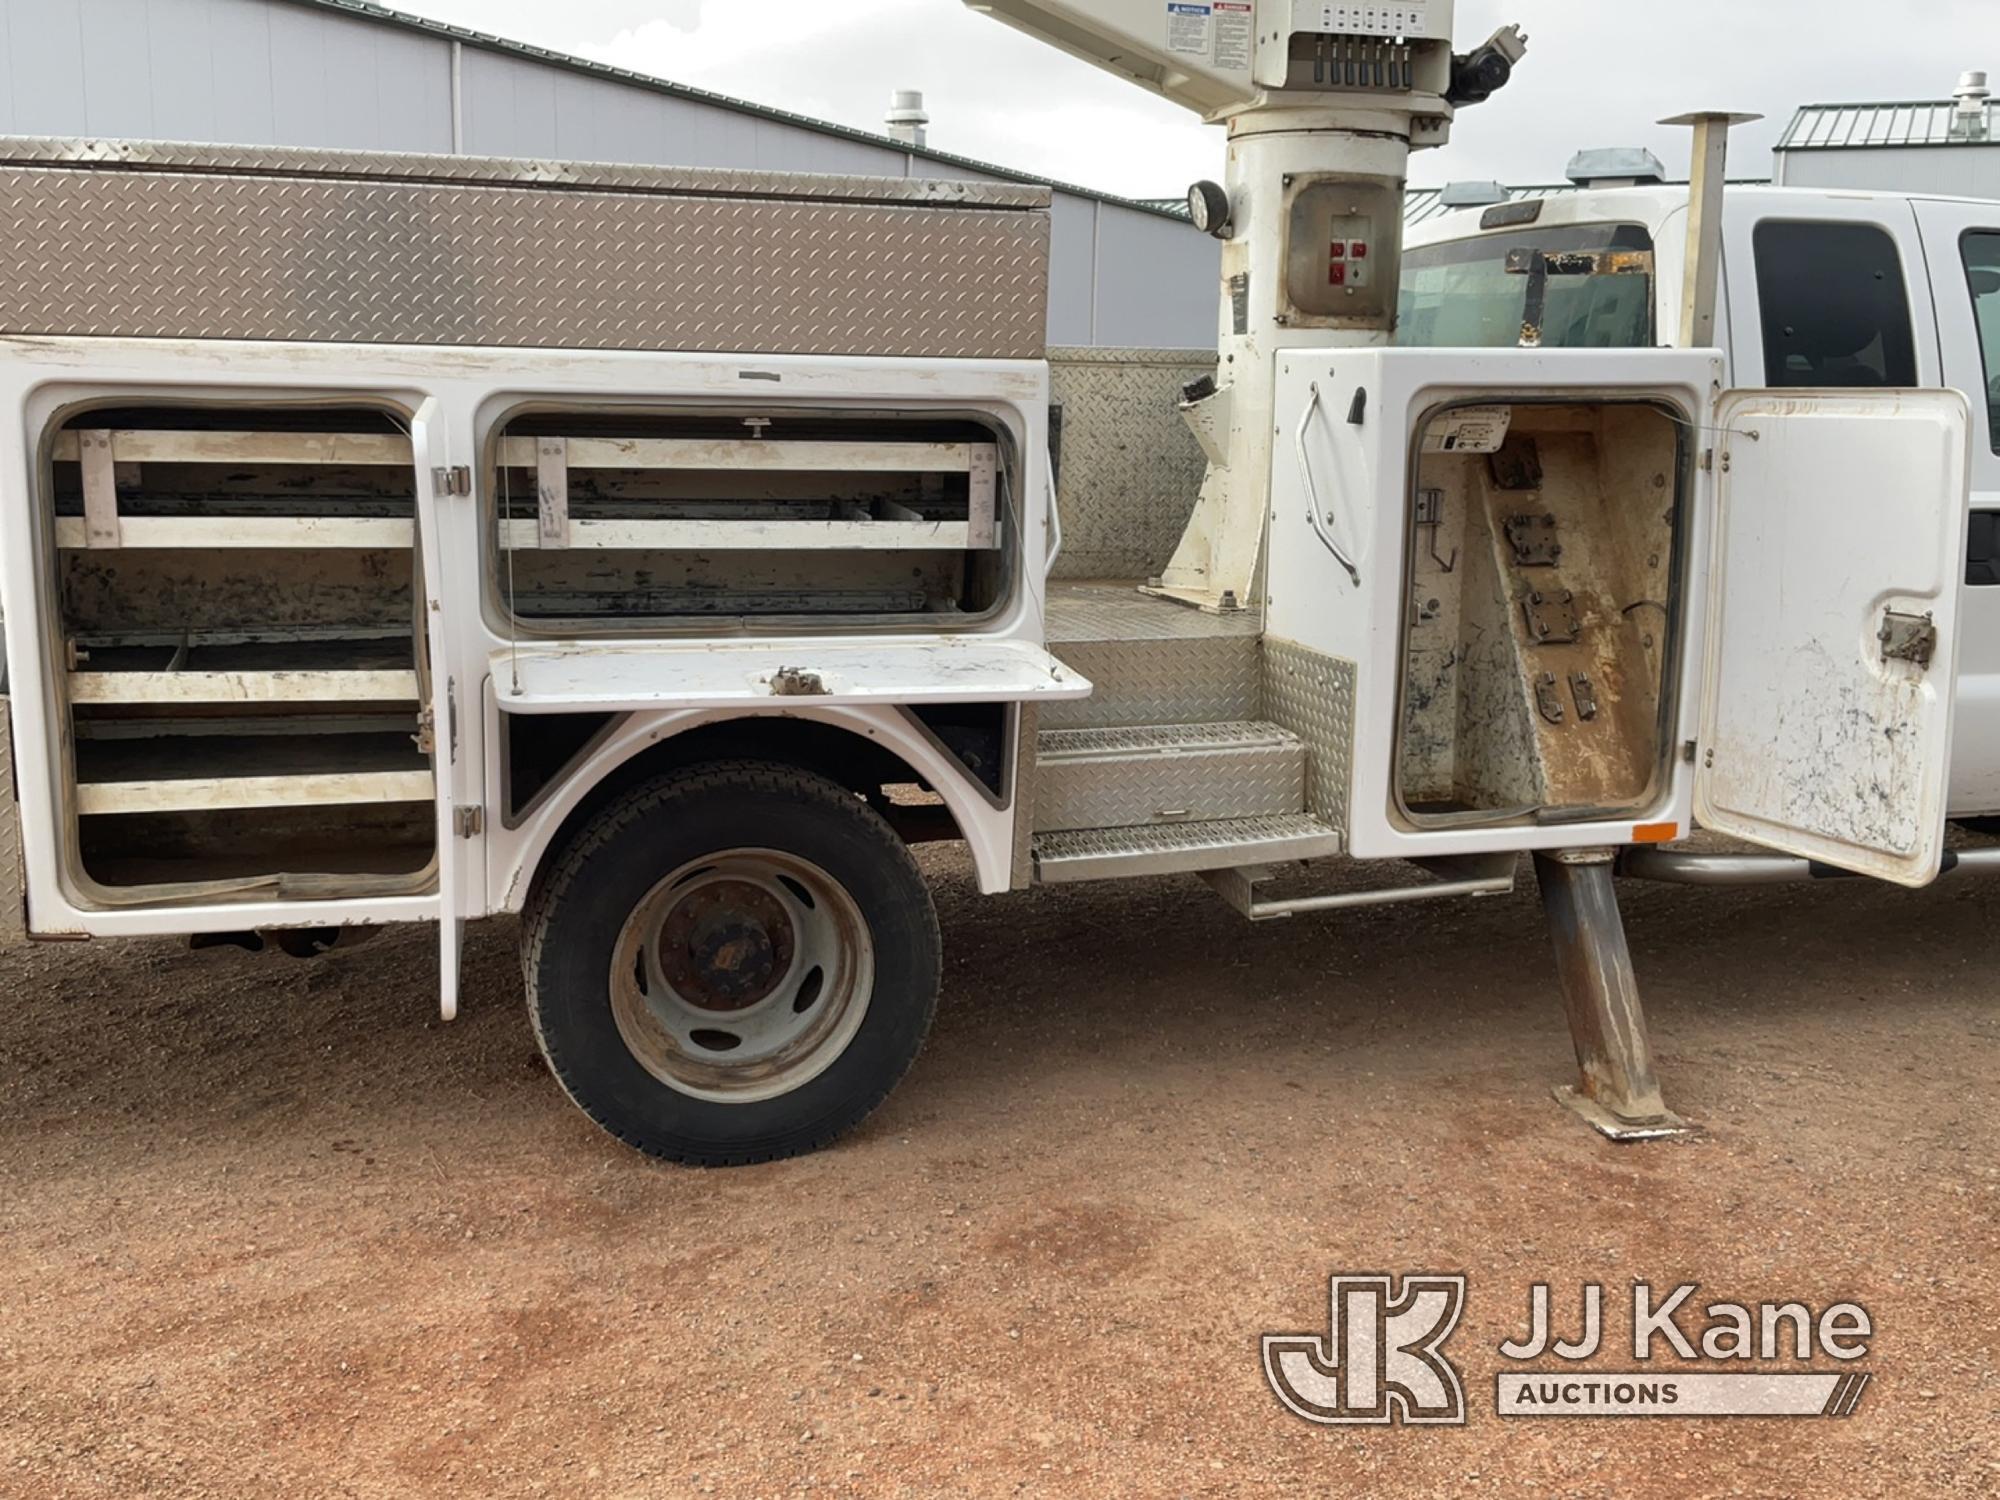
(1615, 166)
(1971, 116)
(906, 119)
(1472, 194)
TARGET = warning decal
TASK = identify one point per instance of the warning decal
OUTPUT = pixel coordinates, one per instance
(1234, 26)
(1189, 30)
(1470, 429)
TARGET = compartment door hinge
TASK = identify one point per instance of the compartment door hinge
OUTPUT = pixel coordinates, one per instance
(468, 822)
(454, 479)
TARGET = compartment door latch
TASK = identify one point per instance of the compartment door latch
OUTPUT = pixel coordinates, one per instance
(453, 480)
(1911, 638)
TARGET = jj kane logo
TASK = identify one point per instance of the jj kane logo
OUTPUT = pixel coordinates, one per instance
(1380, 1361)
(1382, 1358)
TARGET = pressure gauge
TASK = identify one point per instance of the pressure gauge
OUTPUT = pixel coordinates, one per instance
(1208, 207)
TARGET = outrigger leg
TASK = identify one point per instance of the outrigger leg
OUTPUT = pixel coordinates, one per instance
(1618, 1093)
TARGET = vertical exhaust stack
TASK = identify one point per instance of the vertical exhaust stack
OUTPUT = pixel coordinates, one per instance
(1972, 108)
(906, 119)
(1708, 175)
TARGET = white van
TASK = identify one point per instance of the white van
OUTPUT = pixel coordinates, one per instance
(1819, 289)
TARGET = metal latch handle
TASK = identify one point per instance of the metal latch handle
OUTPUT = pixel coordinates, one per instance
(1908, 637)
(1313, 515)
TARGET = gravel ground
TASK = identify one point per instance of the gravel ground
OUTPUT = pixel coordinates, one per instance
(272, 1229)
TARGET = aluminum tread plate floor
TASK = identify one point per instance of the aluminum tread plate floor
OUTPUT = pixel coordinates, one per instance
(1173, 848)
(1117, 611)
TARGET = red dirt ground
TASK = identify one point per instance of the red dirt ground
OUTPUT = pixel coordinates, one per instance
(271, 1229)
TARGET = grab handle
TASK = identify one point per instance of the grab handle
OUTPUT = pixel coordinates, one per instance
(1313, 515)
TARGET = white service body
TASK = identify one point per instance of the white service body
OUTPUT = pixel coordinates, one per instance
(453, 400)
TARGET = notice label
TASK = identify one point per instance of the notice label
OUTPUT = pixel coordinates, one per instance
(1235, 25)
(1190, 28)
(1470, 429)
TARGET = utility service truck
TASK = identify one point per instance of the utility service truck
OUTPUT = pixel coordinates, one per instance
(393, 539)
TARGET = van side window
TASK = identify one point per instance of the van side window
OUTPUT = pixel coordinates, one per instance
(1982, 270)
(1836, 310)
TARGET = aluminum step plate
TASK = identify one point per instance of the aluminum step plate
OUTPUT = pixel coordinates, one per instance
(1166, 849)
(1180, 773)
(1212, 679)
(1142, 738)
(1153, 661)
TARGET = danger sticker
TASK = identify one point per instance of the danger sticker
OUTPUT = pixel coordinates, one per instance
(1190, 28)
(1234, 27)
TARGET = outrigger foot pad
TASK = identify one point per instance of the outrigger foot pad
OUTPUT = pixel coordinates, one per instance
(1616, 1128)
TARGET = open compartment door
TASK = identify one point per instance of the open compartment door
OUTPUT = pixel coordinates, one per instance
(1833, 626)
(427, 448)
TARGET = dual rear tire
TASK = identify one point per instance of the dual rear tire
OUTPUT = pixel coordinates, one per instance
(732, 964)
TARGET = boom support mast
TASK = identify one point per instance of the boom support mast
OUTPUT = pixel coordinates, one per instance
(1323, 105)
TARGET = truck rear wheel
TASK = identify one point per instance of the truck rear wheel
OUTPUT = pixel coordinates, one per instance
(732, 965)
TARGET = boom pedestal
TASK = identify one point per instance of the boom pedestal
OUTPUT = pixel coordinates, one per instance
(1617, 1093)
(1311, 266)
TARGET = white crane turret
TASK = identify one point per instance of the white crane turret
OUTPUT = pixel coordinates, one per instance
(1323, 104)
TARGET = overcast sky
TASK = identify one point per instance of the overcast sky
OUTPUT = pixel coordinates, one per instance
(1598, 73)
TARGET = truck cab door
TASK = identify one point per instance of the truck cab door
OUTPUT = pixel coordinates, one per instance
(1832, 635)
(1962, 250)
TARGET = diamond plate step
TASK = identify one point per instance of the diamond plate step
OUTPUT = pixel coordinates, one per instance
(1173, 848)
(1153, 661)
(1181, 773)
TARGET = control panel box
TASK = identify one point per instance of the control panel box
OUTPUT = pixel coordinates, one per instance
(1403, 20)
(1343, 244)
(1214, 55)
(1396, 47)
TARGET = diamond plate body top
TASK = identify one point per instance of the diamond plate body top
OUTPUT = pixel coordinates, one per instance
(163, 241)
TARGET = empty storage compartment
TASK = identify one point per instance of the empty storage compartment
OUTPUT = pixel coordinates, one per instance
(238, 655)
(603, 519)
(1542, 611)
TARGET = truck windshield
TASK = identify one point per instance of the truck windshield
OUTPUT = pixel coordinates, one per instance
(1460, 295)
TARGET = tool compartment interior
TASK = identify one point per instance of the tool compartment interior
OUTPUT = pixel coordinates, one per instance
(237, 654)
(1542, 608)
(607, 521)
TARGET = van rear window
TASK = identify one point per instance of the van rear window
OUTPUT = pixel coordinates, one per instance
(1461, 294)
(1836, 311)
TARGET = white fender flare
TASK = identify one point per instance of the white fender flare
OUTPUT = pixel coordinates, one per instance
(517, 853)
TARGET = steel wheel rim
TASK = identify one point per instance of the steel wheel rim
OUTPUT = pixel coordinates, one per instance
(742, 975)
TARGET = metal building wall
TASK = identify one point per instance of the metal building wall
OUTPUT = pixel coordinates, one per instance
(244, 72)
(1954, 171)
(276, 73)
